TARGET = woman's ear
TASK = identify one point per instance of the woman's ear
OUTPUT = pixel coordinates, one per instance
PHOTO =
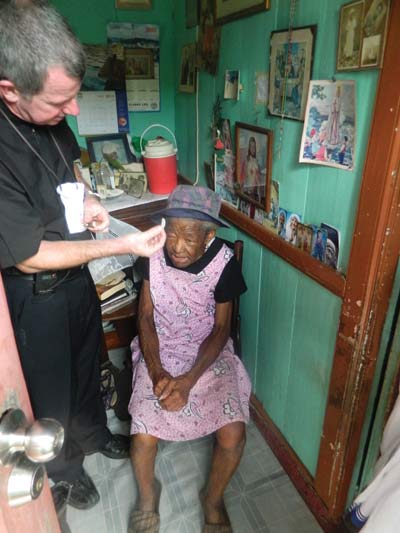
(209, 236)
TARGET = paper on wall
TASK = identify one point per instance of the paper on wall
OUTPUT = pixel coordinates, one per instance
(142, 94)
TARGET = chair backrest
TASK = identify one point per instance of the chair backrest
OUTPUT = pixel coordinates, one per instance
(237, 247)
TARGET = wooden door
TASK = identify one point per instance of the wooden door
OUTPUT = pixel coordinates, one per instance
(38, 515)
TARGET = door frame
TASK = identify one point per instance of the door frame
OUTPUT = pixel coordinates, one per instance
(371, 272)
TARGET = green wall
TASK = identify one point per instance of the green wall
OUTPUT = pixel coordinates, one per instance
(289, 322)
(89, 20)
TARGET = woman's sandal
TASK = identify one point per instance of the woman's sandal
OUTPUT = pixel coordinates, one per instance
(146, 521)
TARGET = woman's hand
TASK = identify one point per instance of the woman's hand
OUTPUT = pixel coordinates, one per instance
(173, 393)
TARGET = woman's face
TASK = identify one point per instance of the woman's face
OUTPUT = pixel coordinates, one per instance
(186, 240)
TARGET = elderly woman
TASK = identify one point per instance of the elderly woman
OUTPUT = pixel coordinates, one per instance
(187, 381)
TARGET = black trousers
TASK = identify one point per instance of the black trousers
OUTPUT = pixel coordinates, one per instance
(58, 336)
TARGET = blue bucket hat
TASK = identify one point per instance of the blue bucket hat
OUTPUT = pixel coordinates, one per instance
(199, 203)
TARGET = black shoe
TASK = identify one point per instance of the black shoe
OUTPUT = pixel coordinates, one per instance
(60, 492)
(83, 493)
(116, 448)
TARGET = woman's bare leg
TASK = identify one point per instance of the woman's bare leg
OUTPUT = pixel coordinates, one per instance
(230, 441)
(143, 455)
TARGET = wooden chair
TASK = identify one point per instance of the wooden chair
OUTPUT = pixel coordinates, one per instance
(237, 247)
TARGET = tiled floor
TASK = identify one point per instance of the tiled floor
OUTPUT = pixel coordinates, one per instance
(259, 499)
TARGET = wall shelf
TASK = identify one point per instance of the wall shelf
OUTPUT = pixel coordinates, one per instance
(332, 280)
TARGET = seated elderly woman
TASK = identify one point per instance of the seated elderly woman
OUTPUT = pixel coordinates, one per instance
(187, 381)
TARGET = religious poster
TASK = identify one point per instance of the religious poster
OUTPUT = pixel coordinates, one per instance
(209, 39)
(224, 170)
(330, 125)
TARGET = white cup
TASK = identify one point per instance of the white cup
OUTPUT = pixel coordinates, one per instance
(72, 196)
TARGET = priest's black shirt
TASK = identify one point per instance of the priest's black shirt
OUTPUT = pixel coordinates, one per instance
(30, 208)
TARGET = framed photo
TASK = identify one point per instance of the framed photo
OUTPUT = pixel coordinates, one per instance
(290, 71)
(114, 149)
(187, 78)
(209, 38)
(350, 32)
(192, 13)
(374, 30)
(362, 34)
(227, 10)
(132, 183)
(253, 164)
(139, 63)
(133, 4)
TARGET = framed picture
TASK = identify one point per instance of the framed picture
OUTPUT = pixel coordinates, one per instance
(133, 4)
(253, 164)
(187, 78)
(209, 38)
(139, 63)
(290, 71)
(362, 34)
(192, 13)
(374, 30)
(350, 32)
(227, 10)
(132, 183)
(114, 149)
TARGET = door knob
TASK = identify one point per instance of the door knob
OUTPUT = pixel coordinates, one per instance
(40, 441)
(25, 482)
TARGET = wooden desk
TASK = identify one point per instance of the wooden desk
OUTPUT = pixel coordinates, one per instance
(137, 212)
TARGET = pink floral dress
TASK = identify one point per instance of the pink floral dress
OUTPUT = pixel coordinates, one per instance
(184, 308)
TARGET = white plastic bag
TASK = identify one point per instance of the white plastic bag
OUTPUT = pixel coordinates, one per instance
(100, 268)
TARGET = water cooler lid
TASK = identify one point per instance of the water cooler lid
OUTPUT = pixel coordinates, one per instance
(159, 148)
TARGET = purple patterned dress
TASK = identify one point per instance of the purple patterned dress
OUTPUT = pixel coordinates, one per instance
(184, 308)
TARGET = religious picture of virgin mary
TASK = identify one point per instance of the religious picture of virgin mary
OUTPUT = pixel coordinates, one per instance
(330, 125)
